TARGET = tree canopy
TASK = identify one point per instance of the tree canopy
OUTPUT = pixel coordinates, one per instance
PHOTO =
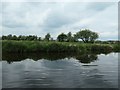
(87, 36)
(62, 37)
(47, 37)
(69, 37)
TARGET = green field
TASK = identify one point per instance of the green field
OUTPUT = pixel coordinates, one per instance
(11, 46)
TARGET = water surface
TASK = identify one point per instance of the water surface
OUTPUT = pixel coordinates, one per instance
(60, 71)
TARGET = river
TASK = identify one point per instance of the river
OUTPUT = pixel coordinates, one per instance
(60, 71)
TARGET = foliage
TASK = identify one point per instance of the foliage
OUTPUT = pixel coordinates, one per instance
(86, 36)
(69, 37)
(47, 37)
(43, 46)
(103, 48)
(116, 47)
(20, 37)
(62, 37)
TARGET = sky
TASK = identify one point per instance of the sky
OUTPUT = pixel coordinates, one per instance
(40, 18)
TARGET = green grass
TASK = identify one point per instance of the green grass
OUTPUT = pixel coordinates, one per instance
(116, 47)
(42, 46)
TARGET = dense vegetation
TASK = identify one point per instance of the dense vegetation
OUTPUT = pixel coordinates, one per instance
(44, 46)
(63, 43)
(86, 36)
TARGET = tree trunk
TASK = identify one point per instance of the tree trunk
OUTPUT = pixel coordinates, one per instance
(83, 40)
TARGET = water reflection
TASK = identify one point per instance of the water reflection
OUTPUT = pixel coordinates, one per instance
(60, 70)
(83, 58)
(87, 58)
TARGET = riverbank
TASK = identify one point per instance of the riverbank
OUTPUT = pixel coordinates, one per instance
(12, 46)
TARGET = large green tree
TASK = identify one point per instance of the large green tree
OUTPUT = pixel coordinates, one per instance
(62, 37)
(87, 36)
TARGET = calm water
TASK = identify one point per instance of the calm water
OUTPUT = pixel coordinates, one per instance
(60, 71)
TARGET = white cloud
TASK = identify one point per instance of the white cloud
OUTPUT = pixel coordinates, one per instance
(59, 0)
(43, 17)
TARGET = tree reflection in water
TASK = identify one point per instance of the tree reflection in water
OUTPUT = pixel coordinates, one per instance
(83, 58)
(87, 58)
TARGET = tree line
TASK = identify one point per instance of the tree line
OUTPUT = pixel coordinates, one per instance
(86, 35)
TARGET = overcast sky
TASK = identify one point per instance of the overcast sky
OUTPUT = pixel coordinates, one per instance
(39, 18)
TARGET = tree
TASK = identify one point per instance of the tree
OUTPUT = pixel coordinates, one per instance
(19, 37)
(39, 38)
(47, 37)
(4, 37)
(9, 37)
(14, 37)
(69, 37)
(62, 37)
(75, 38)
(35, 37)
(87, 36)
(31, 37)
(24, 37)
(93, 37)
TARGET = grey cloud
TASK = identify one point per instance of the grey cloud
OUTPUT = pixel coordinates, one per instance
(13, 25)
(63, 17)
(58, 20)
(99, 6)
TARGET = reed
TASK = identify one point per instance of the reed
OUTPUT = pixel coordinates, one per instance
(43, 46)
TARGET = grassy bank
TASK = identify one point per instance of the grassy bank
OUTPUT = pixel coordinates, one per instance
(37, 46)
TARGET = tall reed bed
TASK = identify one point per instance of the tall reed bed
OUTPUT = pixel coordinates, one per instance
(37, 46)
(116, 47)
